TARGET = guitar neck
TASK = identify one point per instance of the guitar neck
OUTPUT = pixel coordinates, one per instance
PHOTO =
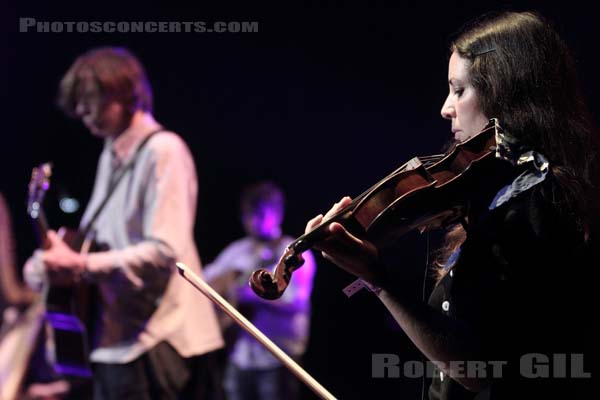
(40, 225)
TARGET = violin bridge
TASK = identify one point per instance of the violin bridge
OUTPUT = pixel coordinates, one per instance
(413, 163)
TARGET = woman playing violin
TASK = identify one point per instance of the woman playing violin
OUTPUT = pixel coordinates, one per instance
(508, 315)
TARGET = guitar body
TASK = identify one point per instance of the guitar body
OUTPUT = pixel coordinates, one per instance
(69, 316)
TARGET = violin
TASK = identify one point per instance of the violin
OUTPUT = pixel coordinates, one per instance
(425, 193)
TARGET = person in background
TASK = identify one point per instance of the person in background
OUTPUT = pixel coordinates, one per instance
(155, 335)
(14, 296)
(251, 371)
(20, 322)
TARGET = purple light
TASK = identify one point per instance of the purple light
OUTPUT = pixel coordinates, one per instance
(264, 221)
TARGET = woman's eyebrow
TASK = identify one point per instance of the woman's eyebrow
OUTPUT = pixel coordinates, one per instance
(454, 82)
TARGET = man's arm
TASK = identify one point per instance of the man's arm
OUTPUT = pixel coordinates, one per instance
(168, 216)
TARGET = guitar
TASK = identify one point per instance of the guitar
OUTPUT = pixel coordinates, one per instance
(66, 306)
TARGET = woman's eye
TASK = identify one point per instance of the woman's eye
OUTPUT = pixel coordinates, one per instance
(458, 92)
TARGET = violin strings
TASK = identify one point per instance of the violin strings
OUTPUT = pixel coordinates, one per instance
(425, 160)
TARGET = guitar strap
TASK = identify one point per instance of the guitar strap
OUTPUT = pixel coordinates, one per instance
(114, 182)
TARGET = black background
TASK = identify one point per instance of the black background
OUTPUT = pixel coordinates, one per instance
(324, 100)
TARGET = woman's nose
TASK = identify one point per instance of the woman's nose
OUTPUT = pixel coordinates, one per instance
(448, 111)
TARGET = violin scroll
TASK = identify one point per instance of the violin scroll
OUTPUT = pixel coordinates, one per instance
(271, 286)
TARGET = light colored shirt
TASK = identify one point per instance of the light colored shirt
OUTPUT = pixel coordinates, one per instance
(286, 321)
(147, 224)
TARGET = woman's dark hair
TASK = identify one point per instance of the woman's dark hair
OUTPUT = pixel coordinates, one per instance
(525, 76)
(116, 72)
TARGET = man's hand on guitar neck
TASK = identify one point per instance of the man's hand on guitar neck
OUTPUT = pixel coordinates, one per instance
(63, 265)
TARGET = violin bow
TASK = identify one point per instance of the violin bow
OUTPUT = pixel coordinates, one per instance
(243, 322)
